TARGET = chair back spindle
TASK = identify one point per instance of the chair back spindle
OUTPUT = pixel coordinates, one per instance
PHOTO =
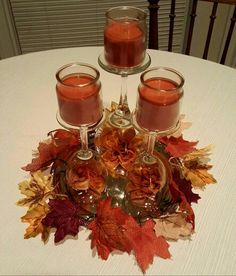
(171, 29)
(210, 29)
(192, 15)
(229, 36)
(154, 6)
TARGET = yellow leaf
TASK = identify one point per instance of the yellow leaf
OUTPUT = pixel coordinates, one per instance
(199, 154)
(199, 177)
(173, 227)
(36, 189)
(34, 217)
(195, 167)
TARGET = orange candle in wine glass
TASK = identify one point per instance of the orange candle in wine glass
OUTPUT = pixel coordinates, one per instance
(159, 95)
(79, 99)
(124, 43)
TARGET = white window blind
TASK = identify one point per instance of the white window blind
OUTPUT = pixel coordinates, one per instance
(48, 24)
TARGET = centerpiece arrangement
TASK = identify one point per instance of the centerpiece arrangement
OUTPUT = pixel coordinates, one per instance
(126, 176)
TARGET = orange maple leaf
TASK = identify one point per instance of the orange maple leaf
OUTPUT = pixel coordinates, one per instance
(115, 230)
(145, 243)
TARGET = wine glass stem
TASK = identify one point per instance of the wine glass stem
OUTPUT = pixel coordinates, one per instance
(84, 138)
(148, 157)
(151, 140)
(84, 153)
(123, 107)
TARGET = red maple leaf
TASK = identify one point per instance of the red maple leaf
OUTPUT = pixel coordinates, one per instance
(178, 147)
(62, 144)
(115, 230)
(64, 217)
(145, 243)
(179, 197)
(185, 187)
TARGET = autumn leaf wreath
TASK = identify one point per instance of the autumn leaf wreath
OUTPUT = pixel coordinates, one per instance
(123, 204)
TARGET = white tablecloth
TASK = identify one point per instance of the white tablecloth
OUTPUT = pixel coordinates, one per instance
(27, 110)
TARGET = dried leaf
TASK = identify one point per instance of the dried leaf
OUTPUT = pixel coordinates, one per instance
(85, 175)
(145, 243)
(119, 148)
(63, 216)
(185, 186)
(195, 167)
(61, 145)
(173, 227)
(114, 230)
(178, 147)
(34, 217)
(184, 206)
(37, 189)
(198, 154)
(107, 229)
(199, 177)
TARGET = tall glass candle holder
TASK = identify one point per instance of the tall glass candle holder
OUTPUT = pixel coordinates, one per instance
(80, 101)
(156, 114)
(158, 105)
(124, 52)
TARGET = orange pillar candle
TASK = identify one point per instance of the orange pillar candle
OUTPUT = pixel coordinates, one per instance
(124, 43)
(158, 104)
(79, 99)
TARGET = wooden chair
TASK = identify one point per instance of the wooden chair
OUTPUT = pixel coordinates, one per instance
(153, 25)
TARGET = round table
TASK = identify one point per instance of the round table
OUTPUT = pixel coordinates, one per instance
(28, 108)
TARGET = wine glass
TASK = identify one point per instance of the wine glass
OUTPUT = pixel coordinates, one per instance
(80, 102)
(157, 109)
(124, 53)
(156, 114)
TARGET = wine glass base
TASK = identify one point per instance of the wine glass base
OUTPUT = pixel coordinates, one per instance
(85, 155)
(124, 70)
(148, 159)
(118, 121)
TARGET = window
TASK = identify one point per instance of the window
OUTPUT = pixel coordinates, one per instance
(48, 24)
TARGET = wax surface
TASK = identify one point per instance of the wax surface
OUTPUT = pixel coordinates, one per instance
(158, 104)
(79, 105)
(124, 44)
